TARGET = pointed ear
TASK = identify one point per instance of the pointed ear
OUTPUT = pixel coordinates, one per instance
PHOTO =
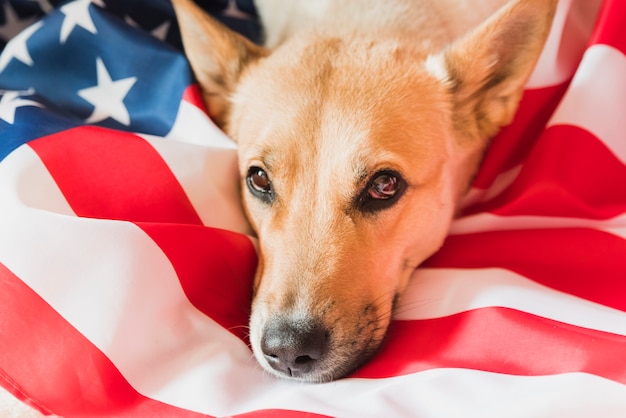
(488, 68)
(217, 56)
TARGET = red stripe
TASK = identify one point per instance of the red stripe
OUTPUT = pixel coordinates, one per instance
(587, 263)
(192, 95)
(114, 175)
(278, 413)
(499, 340)
(515, 141)
(215, 269)
(569, 173)
(49, 360)
(611, 24)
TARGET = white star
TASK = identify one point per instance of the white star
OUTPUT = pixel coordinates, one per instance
(76, 14)
(160, 32)
(10, 101)
(107, 96)
(12, 22)
(17, 47)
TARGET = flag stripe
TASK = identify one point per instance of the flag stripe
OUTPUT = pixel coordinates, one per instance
(561, 177)
(601, 74)
(486, 221)
(24, 181)
(41, 331)
(498, 340)
(195, 145)
(421, 394)
(114, 175)
(538, 255)
(192, 95)
(202, 258)
(455, 393)
(194, 126)
(515, 141)
(467, 289)
(566, 43)
(277, 413)
(214, 195)
(610, 26)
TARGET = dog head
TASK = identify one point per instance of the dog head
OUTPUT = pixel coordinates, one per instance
(353, 154)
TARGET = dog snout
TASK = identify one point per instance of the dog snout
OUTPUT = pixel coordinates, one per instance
(294, 348)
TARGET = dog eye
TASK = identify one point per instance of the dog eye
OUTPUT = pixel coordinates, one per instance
(383, 186)
(381, 192)
(259, 184)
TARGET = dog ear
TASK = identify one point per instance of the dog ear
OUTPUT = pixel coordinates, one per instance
(488, 68)
(217, 56)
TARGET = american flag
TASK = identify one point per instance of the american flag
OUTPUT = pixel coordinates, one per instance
(126, 261)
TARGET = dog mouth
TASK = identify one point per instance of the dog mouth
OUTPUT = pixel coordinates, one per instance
(310, 349)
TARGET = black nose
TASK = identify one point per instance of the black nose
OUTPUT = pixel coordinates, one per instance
(294, 347)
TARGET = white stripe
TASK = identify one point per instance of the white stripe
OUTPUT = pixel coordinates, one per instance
(476, 195)
(460, 393)
(596, 98)
(210, 177)
(204, 161)
(573, 24)
(485, 221)
(549, 70)
(192, 125)
(433, 393)
(434, 293)
(23, 177)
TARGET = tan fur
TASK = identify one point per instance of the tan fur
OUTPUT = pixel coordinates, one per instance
(350, 88)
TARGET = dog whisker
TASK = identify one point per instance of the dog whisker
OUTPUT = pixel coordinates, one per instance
(409, 306)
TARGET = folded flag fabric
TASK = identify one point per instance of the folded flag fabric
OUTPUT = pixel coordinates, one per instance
(126, 261)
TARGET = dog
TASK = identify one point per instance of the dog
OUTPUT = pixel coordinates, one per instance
(360, 125)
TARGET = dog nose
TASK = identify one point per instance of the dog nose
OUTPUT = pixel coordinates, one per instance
(294, 347)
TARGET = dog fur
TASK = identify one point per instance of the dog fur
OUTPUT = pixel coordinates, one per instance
(360, 125)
